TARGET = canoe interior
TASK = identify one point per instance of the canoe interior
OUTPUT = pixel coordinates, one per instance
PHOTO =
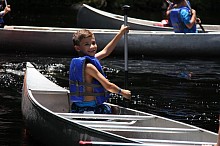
(130, 128)
(54, 101)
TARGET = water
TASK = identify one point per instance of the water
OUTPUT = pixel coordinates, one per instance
(159, 86)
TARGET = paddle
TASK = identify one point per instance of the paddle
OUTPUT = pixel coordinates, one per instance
(191, 10)
(169, 2)
(6, 4)
(125, 8)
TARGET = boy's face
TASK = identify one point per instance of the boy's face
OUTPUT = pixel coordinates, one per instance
(87, 46)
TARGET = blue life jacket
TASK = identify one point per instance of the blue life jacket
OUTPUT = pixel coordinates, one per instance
(177, 22)
(78, 84)
(1, 19)
(1, 15)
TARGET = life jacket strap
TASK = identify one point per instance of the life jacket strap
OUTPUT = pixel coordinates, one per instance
(86, 94)
(84, 84)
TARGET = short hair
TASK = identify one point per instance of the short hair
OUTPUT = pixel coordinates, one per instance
(177, 1)
(81, 34)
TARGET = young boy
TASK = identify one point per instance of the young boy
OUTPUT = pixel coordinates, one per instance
(182, 18)
(88, 83)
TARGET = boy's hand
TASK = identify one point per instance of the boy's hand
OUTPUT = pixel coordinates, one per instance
(7, 9)
(126, 94)
(124, 28)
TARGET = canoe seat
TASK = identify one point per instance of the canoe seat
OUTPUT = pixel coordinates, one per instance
(143, 129)
(104, 116)
(56, 101)
(108, 122)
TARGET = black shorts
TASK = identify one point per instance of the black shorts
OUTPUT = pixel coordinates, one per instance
(99, 109)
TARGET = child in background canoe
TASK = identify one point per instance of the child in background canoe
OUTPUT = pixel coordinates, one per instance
(3, 12)
(183, 19)
(88, 83)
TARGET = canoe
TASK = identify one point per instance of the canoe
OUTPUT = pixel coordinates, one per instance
(88, 14)
(44, 40)
(58, 41)
(47, 117)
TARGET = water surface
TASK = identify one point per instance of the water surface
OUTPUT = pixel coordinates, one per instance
(186, 90)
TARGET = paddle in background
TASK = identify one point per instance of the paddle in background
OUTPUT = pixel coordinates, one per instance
(6, 4)
(169, 2)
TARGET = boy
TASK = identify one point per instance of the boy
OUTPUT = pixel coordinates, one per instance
(88, 83)
(182, 18)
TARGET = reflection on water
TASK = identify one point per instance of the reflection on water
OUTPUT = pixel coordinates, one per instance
(186, 90)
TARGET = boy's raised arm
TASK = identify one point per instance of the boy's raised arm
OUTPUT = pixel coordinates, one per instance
(112, 44)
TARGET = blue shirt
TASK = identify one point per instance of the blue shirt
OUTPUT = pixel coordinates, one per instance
(185, 17)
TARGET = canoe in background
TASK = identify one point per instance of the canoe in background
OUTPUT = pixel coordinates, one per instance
(87, 15)
(46, 112)
(43, 40)
(58, 41)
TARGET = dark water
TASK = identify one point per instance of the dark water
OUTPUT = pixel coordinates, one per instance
(159, 86)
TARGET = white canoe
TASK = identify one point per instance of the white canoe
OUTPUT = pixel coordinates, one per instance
(46, 112)
(58, 41)
(87, 15)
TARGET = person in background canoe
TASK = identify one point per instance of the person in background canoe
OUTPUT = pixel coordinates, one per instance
(3, 12)
(169, 8)
(88, 83)
(182, 18)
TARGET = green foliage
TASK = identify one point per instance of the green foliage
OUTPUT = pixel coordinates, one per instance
(148, 5)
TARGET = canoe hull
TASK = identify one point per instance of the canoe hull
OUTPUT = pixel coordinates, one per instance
(159, 44)
(57, 41)
(35, 40)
